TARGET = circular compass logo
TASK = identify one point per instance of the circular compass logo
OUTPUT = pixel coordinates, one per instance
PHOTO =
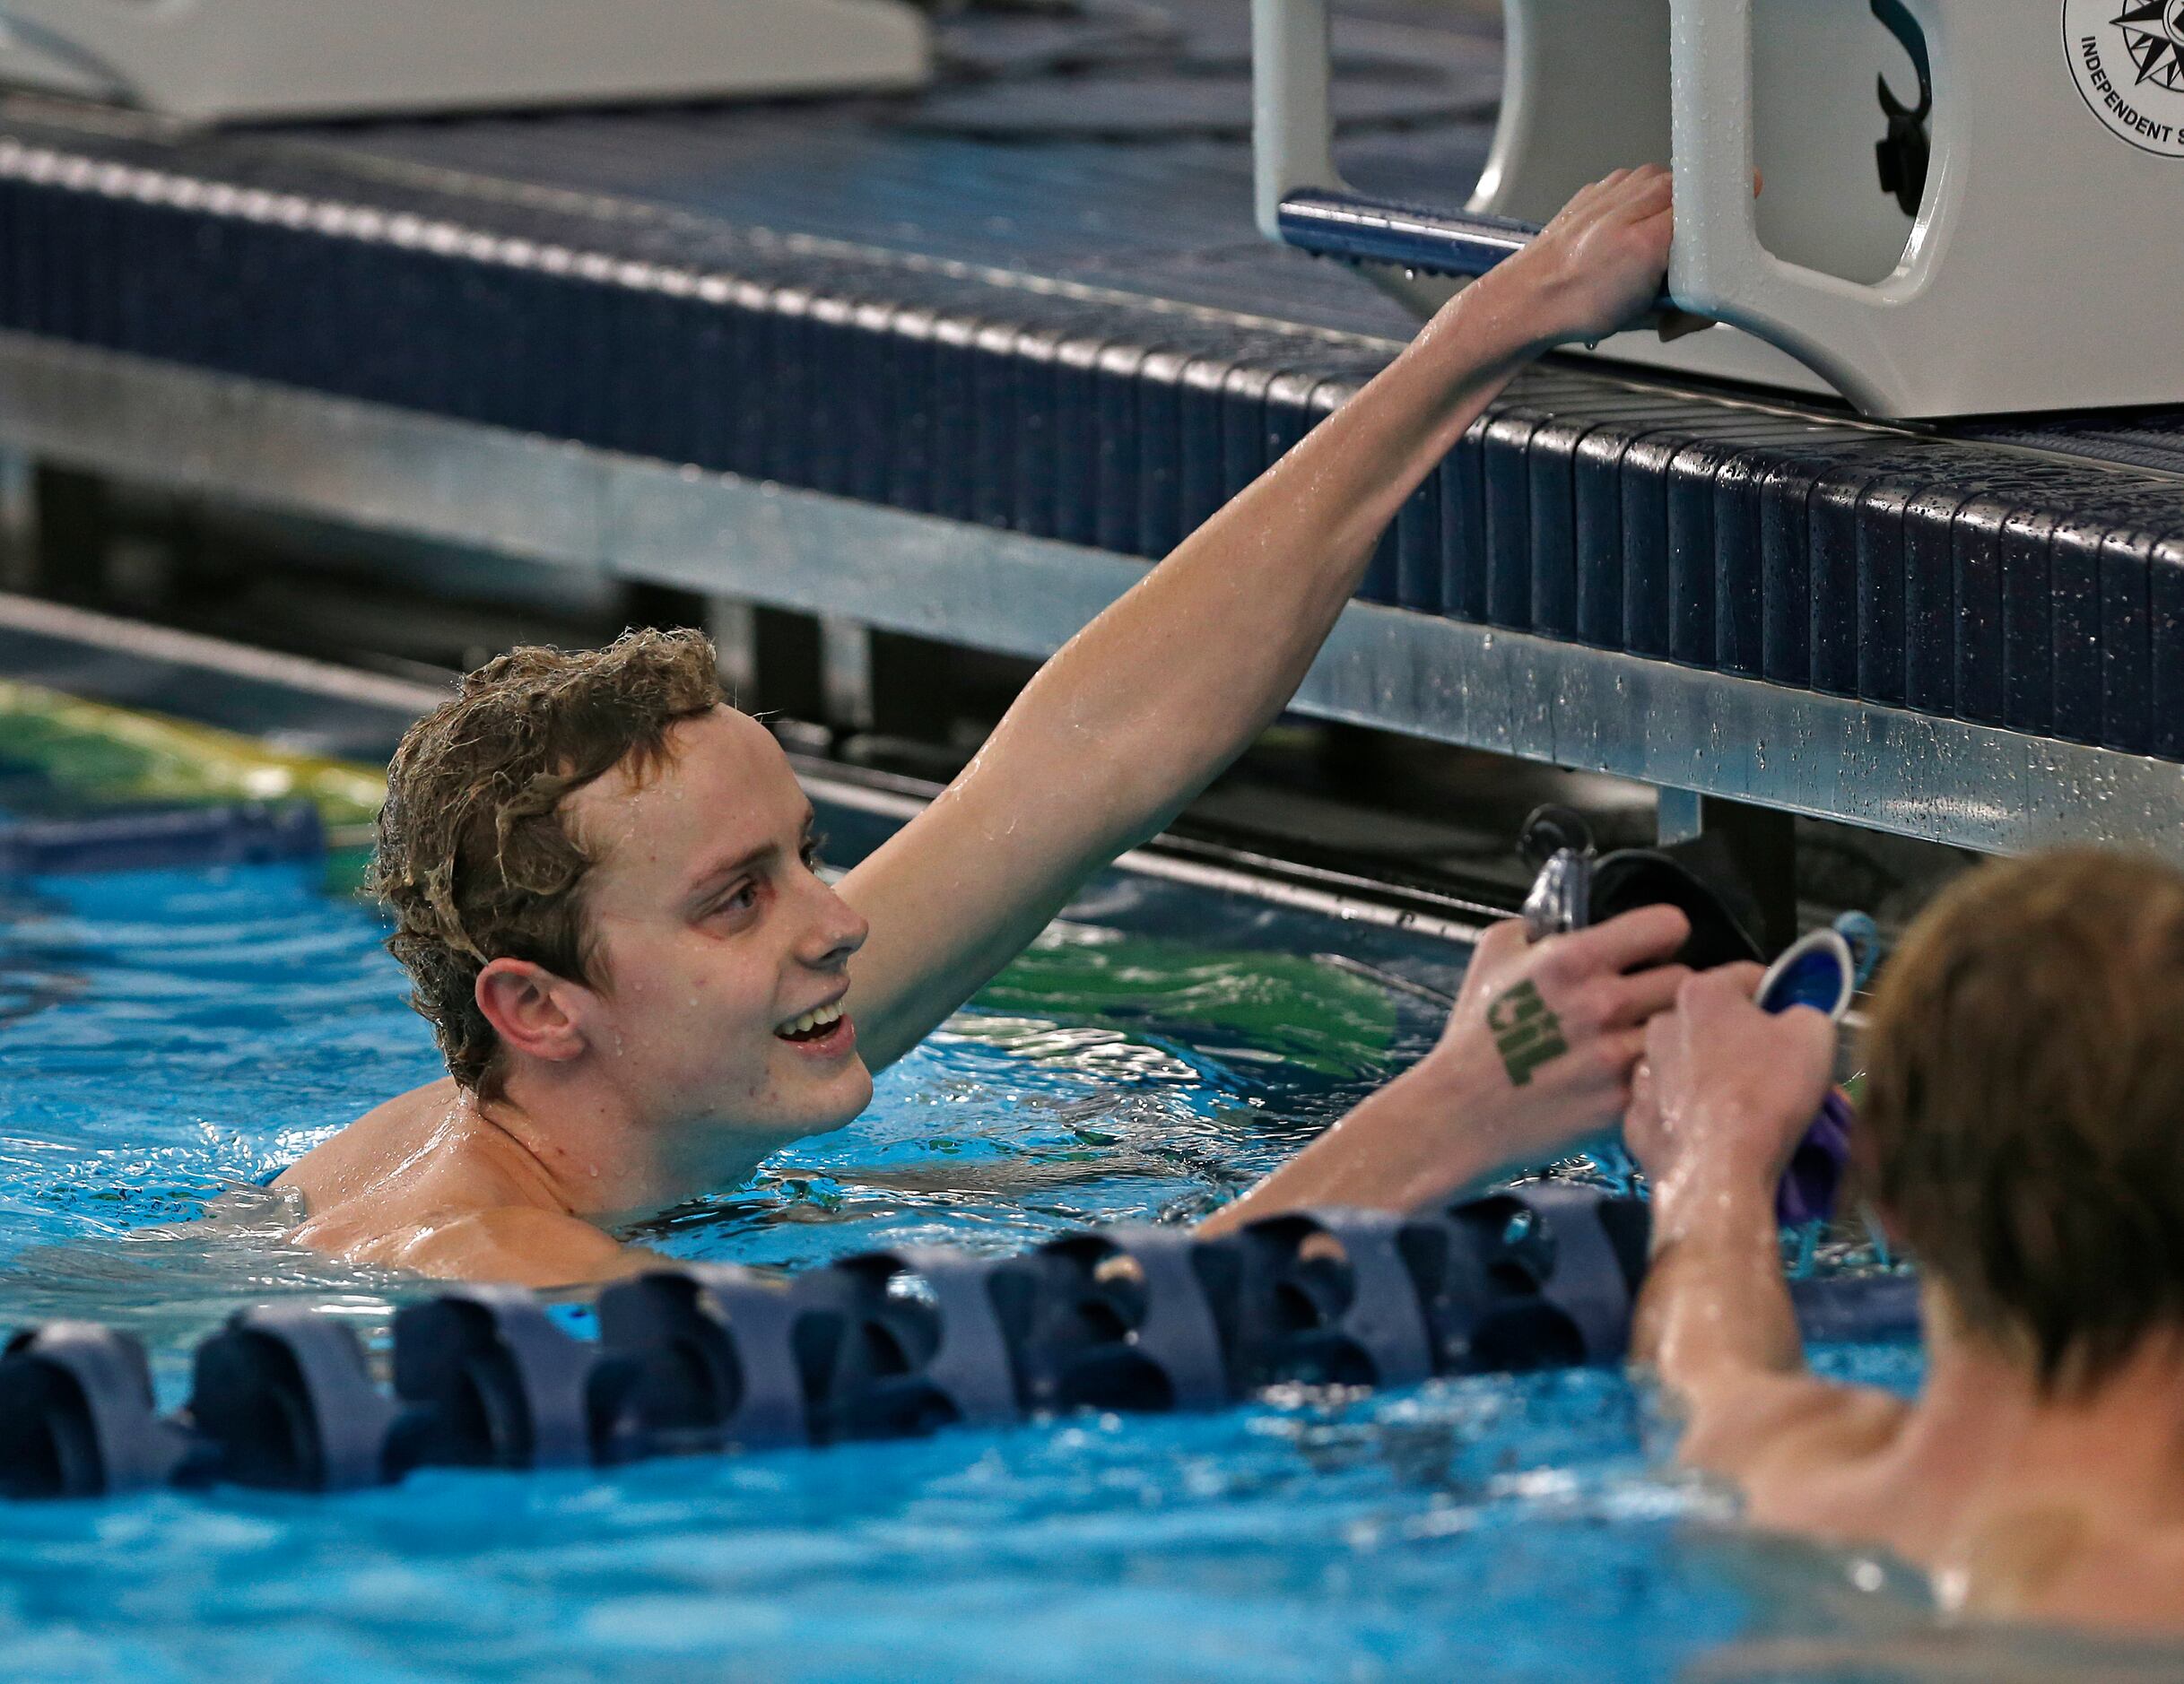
(2127, 59)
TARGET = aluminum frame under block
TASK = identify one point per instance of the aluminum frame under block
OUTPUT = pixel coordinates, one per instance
(1514, 692)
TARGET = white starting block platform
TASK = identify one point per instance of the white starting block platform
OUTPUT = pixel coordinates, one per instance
(1967, 203)
(214, 61)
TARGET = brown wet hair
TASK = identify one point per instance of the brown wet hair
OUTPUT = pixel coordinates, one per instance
(2026, 1106)
(474, 858)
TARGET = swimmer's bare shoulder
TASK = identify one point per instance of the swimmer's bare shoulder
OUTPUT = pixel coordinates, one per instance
(515, 1244)
(416, 1184)
(375, 1145)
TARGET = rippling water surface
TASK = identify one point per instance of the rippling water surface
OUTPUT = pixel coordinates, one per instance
(168, 1035)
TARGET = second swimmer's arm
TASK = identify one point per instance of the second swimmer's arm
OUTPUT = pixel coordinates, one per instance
(1724, 1095)
(1535, 1058)
(1146, 703)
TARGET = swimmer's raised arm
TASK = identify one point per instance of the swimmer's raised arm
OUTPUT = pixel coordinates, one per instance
(1722, 1096)
(1145, 704)
(1536, 1058)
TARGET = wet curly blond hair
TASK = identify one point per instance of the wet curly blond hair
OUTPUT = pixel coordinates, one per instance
(474, 859)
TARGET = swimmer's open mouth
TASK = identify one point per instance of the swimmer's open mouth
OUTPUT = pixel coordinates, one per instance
(810, 1027)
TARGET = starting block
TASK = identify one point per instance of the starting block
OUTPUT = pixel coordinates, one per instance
(1964, 201)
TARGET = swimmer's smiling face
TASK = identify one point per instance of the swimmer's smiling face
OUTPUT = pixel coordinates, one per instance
(721, 958)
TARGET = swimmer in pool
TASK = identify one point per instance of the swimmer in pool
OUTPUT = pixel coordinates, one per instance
(602, 876)
(2024, 1133)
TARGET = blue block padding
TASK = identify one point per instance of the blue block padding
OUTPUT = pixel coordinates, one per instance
(1786, 565)
(1507, 475)
(1159, 396)
(1883, 591)
(1601, 548)
(1846, 599)
(1416, 578)
(1463, 526)
(2165, 652)
(2074, 583)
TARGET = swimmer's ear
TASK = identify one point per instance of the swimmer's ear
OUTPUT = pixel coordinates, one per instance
(526, 1004)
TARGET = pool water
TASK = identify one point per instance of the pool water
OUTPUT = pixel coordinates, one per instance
(168, 1035)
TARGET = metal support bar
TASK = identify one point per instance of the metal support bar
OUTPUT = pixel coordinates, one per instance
(1762, 847)
(1758, 842)
(18, 521)
(732, 623)
(845, 674)
(1976, 786)
(1676, 816)
(1292, 121)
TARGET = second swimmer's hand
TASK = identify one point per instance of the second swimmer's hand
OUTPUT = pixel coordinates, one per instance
(1536, 1059)
(1544, 1036)
(1726, 1089)
(1599, 266)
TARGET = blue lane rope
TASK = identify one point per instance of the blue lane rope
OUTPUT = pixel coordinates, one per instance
(240, 833)
(712, 1358)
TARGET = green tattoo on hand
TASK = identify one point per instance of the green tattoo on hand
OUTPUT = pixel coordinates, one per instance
(1526, 1033)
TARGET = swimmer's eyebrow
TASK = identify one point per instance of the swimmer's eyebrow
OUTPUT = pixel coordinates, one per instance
(712, 876)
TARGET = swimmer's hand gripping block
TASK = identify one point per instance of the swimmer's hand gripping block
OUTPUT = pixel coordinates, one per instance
(708, 1358)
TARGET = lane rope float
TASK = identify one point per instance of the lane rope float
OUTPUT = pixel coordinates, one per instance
(708, 1359)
